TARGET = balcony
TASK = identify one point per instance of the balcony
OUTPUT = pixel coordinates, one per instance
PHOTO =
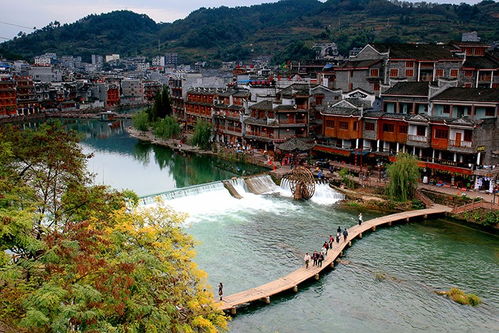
(461, 146)
(418, 141)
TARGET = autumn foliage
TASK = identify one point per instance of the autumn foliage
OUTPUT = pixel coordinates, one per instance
(78, 257)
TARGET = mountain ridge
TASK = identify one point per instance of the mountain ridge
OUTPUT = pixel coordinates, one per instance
(285, 29)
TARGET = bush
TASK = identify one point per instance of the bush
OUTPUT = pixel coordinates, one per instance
(202, 135)
(403, 175)
(167, 128)
(418, 204)
(346, 178)
(140, 121)
(459, 296)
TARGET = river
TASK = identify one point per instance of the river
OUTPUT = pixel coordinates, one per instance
(247, 242)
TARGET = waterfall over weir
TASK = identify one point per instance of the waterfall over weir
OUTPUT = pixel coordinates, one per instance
(258, 192)
(261, 184)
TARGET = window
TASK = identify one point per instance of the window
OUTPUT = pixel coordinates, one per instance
(329, 123)
(376, 86)
(468, 134)
(468, 73)
(421, 130)
(441, 134)
(440, 72)
(446, 109)
(403, 128)
(454, 72)
(489, 112)
(388, 127)
(374, 72)
(343, 125)
(369, 126)
(409, 72)
(394, 72)
(409, 64)
(467, 85)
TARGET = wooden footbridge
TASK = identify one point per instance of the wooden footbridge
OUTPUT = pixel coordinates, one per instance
(291, 281)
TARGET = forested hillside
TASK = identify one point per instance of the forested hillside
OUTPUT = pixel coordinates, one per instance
(285, 29)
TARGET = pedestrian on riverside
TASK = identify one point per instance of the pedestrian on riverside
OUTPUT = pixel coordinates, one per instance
(345, 234)
(360, 219)
(306, 259)
(220, 290)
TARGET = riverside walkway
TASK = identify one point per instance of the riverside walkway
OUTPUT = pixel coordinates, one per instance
(292, 280)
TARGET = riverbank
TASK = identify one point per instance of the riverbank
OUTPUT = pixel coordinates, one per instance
(250, 157)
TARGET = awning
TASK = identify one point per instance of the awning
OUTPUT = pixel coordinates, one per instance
(331, 150)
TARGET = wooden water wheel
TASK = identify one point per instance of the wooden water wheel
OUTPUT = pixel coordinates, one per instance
(301, 182)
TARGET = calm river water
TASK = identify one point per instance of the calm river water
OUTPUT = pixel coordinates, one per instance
(247, 242)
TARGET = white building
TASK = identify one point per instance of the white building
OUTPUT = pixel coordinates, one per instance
(112, 57)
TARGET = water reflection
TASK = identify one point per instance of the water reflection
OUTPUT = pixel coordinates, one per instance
(124, 162)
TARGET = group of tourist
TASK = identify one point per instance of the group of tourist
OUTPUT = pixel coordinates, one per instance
(318, 257)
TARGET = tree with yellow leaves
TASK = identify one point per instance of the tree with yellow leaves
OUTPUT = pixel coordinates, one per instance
(105, 265)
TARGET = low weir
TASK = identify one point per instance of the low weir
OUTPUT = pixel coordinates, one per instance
(240, 187)
(292, 281)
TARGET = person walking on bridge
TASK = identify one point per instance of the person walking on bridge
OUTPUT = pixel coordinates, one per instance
(338, 230)
(306, 259)
(360, 219)
(220, 290)
(345, 234)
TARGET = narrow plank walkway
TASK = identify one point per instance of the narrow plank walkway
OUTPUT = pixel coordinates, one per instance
(292, 280)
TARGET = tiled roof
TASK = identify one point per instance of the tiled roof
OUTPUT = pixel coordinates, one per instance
(358, 63)
(263, 105)
(469, 94)
(481, 62)
(416, 51)
(408, 89)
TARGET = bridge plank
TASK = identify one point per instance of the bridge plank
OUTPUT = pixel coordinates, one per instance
(302, 274)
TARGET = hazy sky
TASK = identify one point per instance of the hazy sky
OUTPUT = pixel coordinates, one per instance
(38, 13)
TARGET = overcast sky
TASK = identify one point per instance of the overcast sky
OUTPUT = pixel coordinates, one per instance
(38, 13)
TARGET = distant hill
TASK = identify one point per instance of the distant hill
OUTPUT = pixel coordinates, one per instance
(286, 29)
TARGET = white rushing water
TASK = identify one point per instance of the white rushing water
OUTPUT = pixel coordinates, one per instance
(210, 200)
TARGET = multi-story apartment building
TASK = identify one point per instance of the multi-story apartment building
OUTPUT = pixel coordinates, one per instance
(8, 103)
(377, 65)
(151, 89)
(450, 129)
(199, 105)
(229, 109)
(132, 91)
(27, 102)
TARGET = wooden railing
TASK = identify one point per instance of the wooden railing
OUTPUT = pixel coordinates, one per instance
(418, 138)
(475, 205)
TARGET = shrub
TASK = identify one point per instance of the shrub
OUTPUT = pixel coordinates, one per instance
(459, 296)
(202, 135)
(140, 120)
(167, 128)
(346, 178)
(403, 175)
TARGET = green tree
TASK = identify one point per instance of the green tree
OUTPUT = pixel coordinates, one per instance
(162, 106)
(167, 128)
(346, 178)
(140, 120)
(403, 177)
(202, 134)
(79, 257)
